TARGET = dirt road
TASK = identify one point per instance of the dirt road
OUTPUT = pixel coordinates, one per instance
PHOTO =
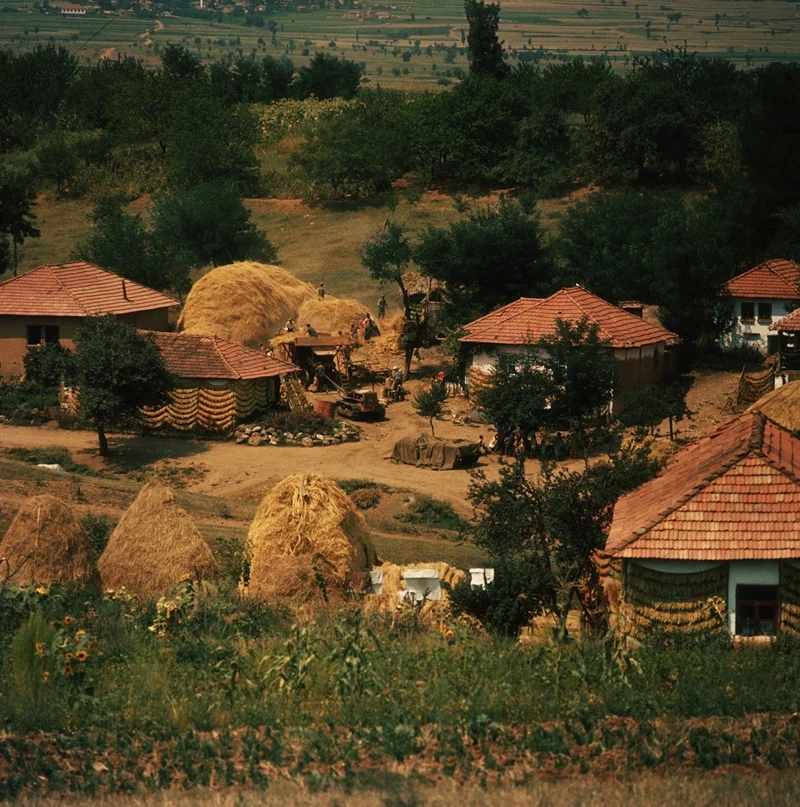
(233, 470)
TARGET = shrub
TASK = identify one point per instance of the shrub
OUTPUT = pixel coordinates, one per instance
(309, 422)
(98, 529)
(352, 485)
(30, 665)
(366, 498)
(46, 364)
(425, 511)
(17, 397)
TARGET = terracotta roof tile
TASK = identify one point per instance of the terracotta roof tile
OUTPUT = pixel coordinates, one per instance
(76, 289)
(734, 494)
(195, 356)
(777, 280)
(530, 319)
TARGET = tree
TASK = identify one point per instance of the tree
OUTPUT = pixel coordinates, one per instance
(646, 408)
(117, 371)
(542, 149)
(57, 159)
(179, 62)
(326, 77)
(550, 527)
(484, 47)
(120, 242)
(386, 254)
(428, 402)
(490, 258)
(17, 199)
(205, 224)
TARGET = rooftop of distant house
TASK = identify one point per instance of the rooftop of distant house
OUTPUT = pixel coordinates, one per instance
(530, 319)
(197, 356)
(777, 279)
(733, 495)
(77, 289)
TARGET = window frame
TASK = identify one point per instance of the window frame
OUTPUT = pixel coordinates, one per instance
(49, 331)
(742, 316)
(767, 318)
(757, 602)
(28, 330)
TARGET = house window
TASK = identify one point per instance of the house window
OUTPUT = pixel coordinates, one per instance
(34, 334)
(756, 610)
(52, 334)
(772, 344)
(765, 312)
(748, 312)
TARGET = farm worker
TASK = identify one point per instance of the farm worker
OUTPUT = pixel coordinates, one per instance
(382, 307)
(481, 445)
(354, 331)
(290, 326)
(310, 330)
(319, 378)
(321, 291)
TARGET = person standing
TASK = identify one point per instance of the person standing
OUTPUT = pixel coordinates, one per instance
(321, 291)
(382, 307)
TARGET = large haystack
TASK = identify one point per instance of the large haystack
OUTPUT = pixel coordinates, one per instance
(331, 315)
(781, 406)
(307, 531)
(45, 543)
(154, 545)
(393, 582)
(244, 302)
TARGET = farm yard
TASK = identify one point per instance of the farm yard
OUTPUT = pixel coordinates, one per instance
(419, 45)
(399, 404)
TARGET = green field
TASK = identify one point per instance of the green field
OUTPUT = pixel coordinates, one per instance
(746, 32)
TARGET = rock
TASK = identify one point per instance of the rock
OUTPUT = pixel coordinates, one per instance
(254, 440)
(307, 442)
(273, 441)
(319, 436)
(241, 438)
(288, 436)
(256, 429)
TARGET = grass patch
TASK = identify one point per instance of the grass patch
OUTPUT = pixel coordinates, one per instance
(425, 512)
(350, 486)
(401, 550)
(51, 455)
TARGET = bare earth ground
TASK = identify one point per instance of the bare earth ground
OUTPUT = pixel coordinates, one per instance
(774, 789)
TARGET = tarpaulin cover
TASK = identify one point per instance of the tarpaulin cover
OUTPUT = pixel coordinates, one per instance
(433, 452)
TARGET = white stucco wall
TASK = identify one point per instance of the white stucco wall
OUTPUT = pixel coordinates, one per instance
(755, 333)
(740, 572)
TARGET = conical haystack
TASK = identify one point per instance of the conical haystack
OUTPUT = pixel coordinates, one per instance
(330, 315)
(781, 406)
(244, 302)
(45, 543)
(307, 536)
(154, 545)
(393, 582)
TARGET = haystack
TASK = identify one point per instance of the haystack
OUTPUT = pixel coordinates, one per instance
(154, 545)
(393, 582)
(244, 302)
(306, 536)
(45, 543)
(781, 406)
(331, 315)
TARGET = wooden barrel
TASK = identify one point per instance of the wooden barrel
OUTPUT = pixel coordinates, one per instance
(326, 408)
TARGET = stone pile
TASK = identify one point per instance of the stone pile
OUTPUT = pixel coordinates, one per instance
(254, 435)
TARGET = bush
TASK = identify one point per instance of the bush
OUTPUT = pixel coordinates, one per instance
(46, 364)
(98, 529)
(20, 397)
(51, 455)
(425, 511)
(366, 498)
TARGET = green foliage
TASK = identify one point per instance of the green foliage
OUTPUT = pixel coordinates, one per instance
(206, 224)
(355, 676)
(117, 370)
(98, 529)
(485, 49)
(491, 257)
(23, 396)
(17, 200)
(386, 254)
(646, 408)
(31, 666)
(542, 149)
(298, 421)
(58, 159)
(432, 514)
(428, 402)
(326, 76)
(45, 365)
(51, 455)
(290, 668)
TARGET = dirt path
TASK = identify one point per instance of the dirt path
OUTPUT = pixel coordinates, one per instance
(236, 470)
(108, 53)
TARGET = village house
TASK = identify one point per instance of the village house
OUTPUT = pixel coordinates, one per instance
(46, 305)
(760, 297)
(219, 382)
(72, 10)
(714, 540)
(641, 349)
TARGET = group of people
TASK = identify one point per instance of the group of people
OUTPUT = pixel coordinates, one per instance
(514, 442)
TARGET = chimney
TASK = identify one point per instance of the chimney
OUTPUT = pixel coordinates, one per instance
(124, 289)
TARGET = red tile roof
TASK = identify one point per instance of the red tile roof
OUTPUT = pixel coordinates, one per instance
(76, 289)
(733, 495)
(529, 319)
(194, 356)
(775, 280)
(788, 323)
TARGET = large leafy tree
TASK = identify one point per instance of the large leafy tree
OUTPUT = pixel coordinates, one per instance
(328, 77)
(485, 48)
(117, 370)
(386, 254)
(17, 199)
(490, 258)
(205, 224)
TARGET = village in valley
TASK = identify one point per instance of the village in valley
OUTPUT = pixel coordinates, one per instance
(398, 447)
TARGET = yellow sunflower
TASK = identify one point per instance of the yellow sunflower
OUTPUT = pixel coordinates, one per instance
(449, 634)
(82, 655)
(69, 656)
(68, 620)
(46, 675)
(67, 669)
